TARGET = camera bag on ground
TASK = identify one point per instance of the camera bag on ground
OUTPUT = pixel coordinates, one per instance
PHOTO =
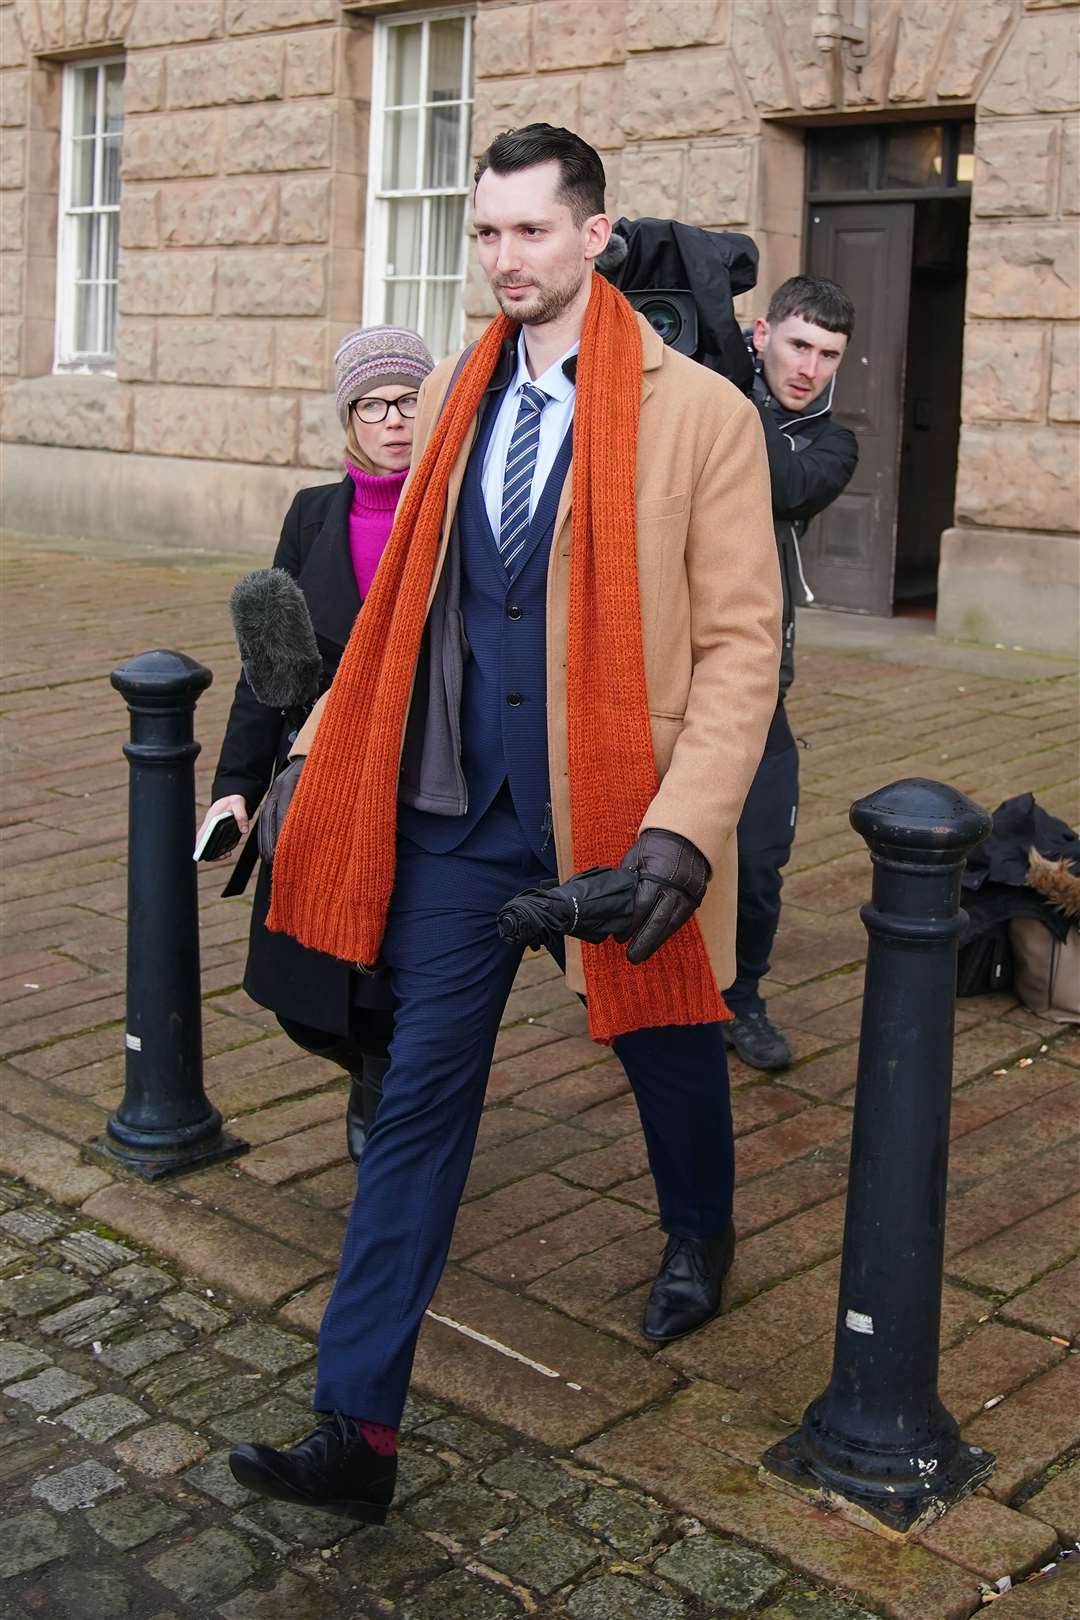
(1046, 969)
(1021, 895)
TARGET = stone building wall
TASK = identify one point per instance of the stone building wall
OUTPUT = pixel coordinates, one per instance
(243, 206)
(665, 89)
(699, 108)
(1010, 569)
(241, 267)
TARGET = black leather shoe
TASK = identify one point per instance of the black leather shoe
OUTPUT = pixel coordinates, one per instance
(758, 1041)
(686, 1293)
(333, 1469)
(355, 1122)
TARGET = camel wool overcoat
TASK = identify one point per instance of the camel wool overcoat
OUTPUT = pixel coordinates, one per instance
(709, 586)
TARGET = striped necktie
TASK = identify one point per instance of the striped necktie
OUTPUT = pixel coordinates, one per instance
(517, 480)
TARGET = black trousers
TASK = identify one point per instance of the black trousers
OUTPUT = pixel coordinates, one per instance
(766, 833)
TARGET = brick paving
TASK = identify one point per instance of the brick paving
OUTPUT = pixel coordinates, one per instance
(557, 1240)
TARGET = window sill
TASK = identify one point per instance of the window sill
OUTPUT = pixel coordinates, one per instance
(85, 368)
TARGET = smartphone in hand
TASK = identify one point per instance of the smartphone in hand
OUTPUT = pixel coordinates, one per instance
(221, 835)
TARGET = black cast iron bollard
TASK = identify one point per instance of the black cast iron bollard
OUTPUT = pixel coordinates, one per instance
(879, 1445)
(165, 1123)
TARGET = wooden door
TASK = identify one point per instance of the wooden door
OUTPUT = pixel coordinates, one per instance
(849, 552)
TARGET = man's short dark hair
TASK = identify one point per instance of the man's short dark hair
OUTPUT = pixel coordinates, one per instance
(814, 299)
(582, 178)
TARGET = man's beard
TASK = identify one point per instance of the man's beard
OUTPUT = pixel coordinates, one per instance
(547, 304)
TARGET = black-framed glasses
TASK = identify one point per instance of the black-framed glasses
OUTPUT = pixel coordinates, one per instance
(373, 410)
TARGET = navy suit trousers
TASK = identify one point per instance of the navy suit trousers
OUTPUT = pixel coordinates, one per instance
(451, 975)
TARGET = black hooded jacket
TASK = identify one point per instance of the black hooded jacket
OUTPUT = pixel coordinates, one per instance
(811, 459)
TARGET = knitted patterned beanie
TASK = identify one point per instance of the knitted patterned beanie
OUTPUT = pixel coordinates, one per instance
(374, 357)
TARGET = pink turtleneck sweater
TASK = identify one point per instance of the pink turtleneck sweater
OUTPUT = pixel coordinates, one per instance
(370, 520)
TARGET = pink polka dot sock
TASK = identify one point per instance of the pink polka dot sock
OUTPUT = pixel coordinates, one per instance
(379, 1436)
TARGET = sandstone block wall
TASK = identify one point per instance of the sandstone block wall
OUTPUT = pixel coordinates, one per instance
(694, 103)
(671, 92)
(702, 104)
(241, 225)
(1019, 464)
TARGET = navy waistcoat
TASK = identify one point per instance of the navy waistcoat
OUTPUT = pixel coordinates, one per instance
(504, 694)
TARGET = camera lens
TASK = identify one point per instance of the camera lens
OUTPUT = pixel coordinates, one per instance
(672, 314)
(664, 318)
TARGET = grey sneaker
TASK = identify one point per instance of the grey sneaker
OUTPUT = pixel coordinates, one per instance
(758, 1041)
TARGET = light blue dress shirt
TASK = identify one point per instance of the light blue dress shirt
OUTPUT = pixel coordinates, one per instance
(554, 423)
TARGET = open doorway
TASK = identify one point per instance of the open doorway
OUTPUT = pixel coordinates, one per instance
(888, 210)
(930, 433)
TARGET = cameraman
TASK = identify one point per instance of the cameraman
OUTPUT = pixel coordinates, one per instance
(797, 351)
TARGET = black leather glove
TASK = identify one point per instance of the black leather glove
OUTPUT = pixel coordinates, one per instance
(275, 806)
(672, 876)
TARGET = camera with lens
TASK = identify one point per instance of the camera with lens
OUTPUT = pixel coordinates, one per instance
(684, 281)
(672, 314)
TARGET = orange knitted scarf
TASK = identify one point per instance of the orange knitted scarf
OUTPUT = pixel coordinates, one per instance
(334, 865)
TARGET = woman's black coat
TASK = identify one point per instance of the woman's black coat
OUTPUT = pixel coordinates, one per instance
(302, 985)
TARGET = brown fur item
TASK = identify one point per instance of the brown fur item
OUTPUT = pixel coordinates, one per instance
(1055, 881)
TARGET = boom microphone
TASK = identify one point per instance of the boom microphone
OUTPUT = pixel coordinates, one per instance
(277, 643)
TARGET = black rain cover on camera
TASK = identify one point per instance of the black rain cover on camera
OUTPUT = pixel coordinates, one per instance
(711, 265)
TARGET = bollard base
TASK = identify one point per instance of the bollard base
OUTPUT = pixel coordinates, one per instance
(887, 1511)
(154, 1164)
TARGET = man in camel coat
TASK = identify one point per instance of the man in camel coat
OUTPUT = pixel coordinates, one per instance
(484, 797)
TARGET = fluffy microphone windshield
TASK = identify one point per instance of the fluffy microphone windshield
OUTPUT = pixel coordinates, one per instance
(277, 642)
(614, 255)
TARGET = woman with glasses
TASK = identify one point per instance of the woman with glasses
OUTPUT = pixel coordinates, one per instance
(331, 542)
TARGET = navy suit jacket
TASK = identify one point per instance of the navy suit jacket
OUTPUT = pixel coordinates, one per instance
(504, 693)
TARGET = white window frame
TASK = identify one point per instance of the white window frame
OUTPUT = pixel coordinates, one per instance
(378, 213)
(66, 356)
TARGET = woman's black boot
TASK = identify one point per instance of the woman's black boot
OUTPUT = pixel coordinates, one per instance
(374, 1073)
(365, 1094)
(357, 1122)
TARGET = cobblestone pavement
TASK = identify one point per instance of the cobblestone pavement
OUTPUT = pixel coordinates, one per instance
(122, 1389)
(557, 1240)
